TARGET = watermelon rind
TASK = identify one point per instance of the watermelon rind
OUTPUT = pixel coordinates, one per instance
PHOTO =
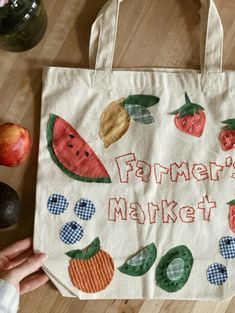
(50, 128)
(140, 270)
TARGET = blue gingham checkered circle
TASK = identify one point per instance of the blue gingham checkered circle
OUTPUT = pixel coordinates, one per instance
(227, 247)
(217, 274)
(57, 204)
(71, 232)
(84, 209)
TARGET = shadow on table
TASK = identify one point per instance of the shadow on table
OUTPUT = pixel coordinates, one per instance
(83, 25)
(29, 180)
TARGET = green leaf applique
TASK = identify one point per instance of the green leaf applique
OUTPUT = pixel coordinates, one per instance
(139, 114)
(143, 100)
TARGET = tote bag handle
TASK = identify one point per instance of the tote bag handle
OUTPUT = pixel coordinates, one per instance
(104, 32)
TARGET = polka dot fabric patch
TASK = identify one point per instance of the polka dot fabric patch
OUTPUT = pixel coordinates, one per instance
(227, 247)
(217, 274)
(57, 204)
(71, 232)
(84, 209)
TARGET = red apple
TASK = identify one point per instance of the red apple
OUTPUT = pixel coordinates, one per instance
(15, 144)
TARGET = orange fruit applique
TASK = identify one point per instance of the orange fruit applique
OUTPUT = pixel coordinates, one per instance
(91, 270)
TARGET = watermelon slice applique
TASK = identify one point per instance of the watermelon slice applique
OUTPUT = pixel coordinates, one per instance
(72, 154)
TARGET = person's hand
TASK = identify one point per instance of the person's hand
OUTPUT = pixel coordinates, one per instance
(21, 267)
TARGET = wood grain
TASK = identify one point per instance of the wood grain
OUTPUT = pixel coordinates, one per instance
(151, 33)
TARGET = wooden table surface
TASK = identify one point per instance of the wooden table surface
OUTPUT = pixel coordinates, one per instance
(160, 33)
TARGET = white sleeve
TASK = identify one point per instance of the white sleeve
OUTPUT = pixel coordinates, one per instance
(9, 297)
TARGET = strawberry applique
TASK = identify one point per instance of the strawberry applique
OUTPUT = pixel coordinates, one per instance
(227, 135)
(232, 215)
(190, 118)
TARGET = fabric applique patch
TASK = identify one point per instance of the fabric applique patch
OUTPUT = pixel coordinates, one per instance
(92, 269)
(116, 118)
(232, 215)
(138, 259)
(71, 232)
(139, 113)
(227, 247)
(57, 204)
(141, 262)
(84, 209)
(174, 269)
(217, 274)
(227, 135)
(190, 118)
(72, 154)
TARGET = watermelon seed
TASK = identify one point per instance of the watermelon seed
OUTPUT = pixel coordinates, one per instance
(70, 146)
(77, 154)
(71, 136)
(86, 154)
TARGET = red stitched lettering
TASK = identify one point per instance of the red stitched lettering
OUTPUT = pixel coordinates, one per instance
(177, 170)
(128, 163)
(233, 175)
(143, 171)
(187, 214)
(159, 170)
(214, 171)
(206, 206)
(117, 207)
(229, 161)
(137, 213)
(152, 210)
(168, 211)
(125, 160)
(199, 171)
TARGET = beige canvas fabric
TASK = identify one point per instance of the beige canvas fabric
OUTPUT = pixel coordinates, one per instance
(173, 186)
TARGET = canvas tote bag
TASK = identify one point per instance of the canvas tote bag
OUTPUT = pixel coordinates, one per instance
(135, 191)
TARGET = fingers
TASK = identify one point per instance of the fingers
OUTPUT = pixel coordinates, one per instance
(20, 259)
(4, 262)
(33, 282)
(17, 248)
(30, 266)
(26, 268)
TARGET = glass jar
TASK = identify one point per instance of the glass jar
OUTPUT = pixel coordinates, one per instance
(22, 24)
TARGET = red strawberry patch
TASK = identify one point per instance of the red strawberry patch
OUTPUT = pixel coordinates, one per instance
(190, 118)
(227, 135)
(232, 215)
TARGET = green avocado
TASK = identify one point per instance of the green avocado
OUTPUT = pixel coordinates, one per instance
(10, 206)
(174, 269)
(140, 263)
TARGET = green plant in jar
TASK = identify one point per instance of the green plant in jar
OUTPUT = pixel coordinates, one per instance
(22, 24)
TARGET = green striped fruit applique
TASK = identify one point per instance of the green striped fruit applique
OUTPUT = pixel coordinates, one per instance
(190, 118)
(140, 263)
(91, 270)
(116, 118)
